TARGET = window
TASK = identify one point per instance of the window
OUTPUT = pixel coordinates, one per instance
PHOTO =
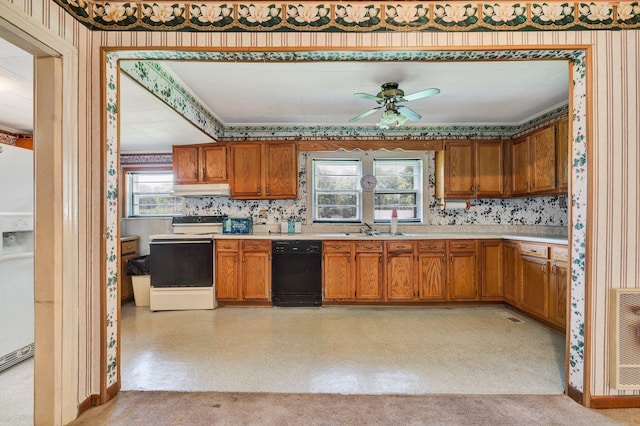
(399, 187)
(336, 191)
(337, 197)
(148, 193)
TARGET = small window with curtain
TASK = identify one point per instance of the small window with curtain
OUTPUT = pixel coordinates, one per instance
(336, 191)
(148, 193)
(399, 187)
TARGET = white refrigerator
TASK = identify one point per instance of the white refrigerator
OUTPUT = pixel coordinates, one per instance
(16, 255)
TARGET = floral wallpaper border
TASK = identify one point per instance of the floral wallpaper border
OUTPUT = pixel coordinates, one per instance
(578, 211)
(360, 16)
(160, 81)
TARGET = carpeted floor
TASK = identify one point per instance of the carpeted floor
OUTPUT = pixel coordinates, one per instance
(220, 408)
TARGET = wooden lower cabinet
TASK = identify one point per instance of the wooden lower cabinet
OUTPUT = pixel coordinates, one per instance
(337, 270)
(432, 270)
(462, 270)
(491, 277)
(243, 270)
(128, 251)
(510, 272)
(400, 271)
(368, 271)
(558, 286)
(535, 285)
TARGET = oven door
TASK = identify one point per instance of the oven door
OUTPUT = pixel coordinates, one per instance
(181, 263)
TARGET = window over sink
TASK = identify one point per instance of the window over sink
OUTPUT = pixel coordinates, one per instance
(393, 180)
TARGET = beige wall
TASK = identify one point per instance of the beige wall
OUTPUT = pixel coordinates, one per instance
(615, 159)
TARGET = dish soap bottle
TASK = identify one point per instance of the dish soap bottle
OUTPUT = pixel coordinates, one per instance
(394, 221)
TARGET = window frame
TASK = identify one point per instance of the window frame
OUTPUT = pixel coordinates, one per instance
(358, 191)
(367, 199)
(125, 199)
(419, 191)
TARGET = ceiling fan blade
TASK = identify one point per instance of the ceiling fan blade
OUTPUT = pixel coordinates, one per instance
(364, 114)
(421, 94)
(410, 114)
(368, 97)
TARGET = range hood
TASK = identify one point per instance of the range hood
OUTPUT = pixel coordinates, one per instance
(202, 190)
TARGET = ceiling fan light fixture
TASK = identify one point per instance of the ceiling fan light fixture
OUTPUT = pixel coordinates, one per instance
(391, 118)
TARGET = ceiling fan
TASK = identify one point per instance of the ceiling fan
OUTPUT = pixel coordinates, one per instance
(389, 98)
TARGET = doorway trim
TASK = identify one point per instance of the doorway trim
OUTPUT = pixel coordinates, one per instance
(56, 286)
(579, 75)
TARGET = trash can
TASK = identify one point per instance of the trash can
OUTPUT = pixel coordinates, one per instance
(138, 269)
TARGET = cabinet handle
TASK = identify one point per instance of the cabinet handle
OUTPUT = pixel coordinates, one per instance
(443, 258)
(533, 251)
(369, 247)
(243, 258)
(258, 187)
(462, 245)
(452, 259)
(267, 188)
(204, 172)
(553, 268)
(543, 269)
(478, 188)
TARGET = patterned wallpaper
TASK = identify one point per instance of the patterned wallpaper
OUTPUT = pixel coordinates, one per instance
(548, 211)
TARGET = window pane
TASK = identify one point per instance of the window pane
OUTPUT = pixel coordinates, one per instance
(149, 194)
(400, 187)
(336, 192)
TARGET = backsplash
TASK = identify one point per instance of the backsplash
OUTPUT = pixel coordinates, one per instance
(547, 211)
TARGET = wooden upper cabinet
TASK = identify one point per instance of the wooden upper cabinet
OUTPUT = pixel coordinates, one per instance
(213, 162)
(489, 169)
(470, 169)
(264, 170)
(520, 166)
(200, 163)
(459, 169)
(281, 170)
(185, 164)
(542, 160)
(246, 167)
(562, 155)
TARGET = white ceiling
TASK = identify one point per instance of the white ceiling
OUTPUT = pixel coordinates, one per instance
(308, 94)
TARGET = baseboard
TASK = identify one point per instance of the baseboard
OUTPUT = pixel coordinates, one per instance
(575, 394)
(617, 401)
(89, 402)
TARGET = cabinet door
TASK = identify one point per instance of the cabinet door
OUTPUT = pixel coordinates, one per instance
(185, 164)
(246, 170)
(558, 292)
(542, 160)
(535, 285)
(368, 276)
(281, 170)
(562, 155)
(509, 274)
(432, 276)
(489, 169)
(491, 278)
(459, 169)
(462, 275)
(214, 163)
(520, 166)
(400, 276)
(256, 275)
(227, 275)
(337, 276)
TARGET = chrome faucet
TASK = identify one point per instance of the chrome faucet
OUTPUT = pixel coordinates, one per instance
(369, 230)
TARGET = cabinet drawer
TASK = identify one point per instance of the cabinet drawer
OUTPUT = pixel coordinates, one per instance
(560, 253)
(535, 250)
(256, 245)
(128, 247)
(431, 246)
(370, 246)
(336, 247)
(400, 247)
(462, 245)
(227, 245)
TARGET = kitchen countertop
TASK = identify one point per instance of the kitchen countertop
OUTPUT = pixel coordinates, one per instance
(552, 239)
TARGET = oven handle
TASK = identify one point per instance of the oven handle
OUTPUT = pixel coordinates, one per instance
(181, 242)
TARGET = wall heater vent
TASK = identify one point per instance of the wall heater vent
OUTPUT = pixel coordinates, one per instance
(624, 344)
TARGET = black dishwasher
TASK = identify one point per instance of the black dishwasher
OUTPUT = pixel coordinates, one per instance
(296, 273)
